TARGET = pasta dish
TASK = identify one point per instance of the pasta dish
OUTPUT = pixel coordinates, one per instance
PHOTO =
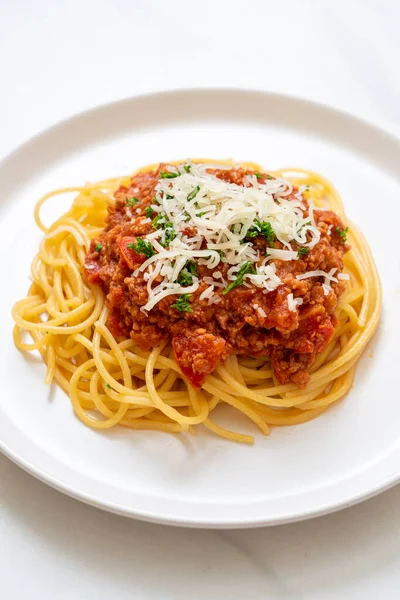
(194, 284)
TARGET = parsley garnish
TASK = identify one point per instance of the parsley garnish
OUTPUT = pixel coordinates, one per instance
(221, 253)
(98, 247)
(108, 385)
(148, 212)
(170, 234)
(259, 175)
(191, 265)
(168, 174)
(342, 233)
(186, 275)
(193, 193)
(185, 278)
(182, 304)
(247, 267)
(187, 168)
(156, 221)
(302, 251)
(142, 247)
(269, 177)
(131, 201)
(262, 228)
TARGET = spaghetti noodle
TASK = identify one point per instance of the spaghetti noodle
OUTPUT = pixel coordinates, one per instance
(113, 381)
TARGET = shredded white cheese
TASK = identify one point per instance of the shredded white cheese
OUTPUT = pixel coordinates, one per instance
(318, 273)
(203, 218)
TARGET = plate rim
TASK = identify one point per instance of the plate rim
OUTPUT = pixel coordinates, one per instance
(40, 473)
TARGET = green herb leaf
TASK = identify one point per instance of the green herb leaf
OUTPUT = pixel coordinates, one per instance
(342, 233)
(156, 221)
(188, 272)
(191, 266)
(247, 267)
(182, 304)
(302, 252)
(259, 175)
(132, 201)
(169, 174)
(142, 247)
(269, 177)
(221, 253)
(262, 228)
(109, 386)
(187, 168)
(185, 278)
(166, 224)
(193, 193)
(170, 234)
(149, 212)
(98, 247)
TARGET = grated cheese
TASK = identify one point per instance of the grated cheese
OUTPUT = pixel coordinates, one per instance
(220, 215)
(318, 273)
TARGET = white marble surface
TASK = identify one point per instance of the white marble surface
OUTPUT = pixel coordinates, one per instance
(59, 57)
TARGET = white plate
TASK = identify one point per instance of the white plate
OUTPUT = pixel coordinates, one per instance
(346, 455)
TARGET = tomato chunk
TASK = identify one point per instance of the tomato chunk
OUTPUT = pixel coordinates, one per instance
(197, 353)
(132, 258)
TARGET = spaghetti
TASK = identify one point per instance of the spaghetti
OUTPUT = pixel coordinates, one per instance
(113, 381)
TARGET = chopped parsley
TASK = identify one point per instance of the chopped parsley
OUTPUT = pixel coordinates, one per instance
(170, 234)
(262, 228)
(148, 212)
(193, 193)
(342, 233)
(109, 386)
(259, 175)
(185, 278)
(221, 253)
(188, 272)
(269, 177)
(169, 174)
(187, 168)
(302, 252)
(156, 221)
(98, 247)
(182, 304)
(132, 201)
(246, 268)
(142, 247)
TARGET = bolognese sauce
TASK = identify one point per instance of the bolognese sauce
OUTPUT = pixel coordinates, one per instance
(259, 292)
